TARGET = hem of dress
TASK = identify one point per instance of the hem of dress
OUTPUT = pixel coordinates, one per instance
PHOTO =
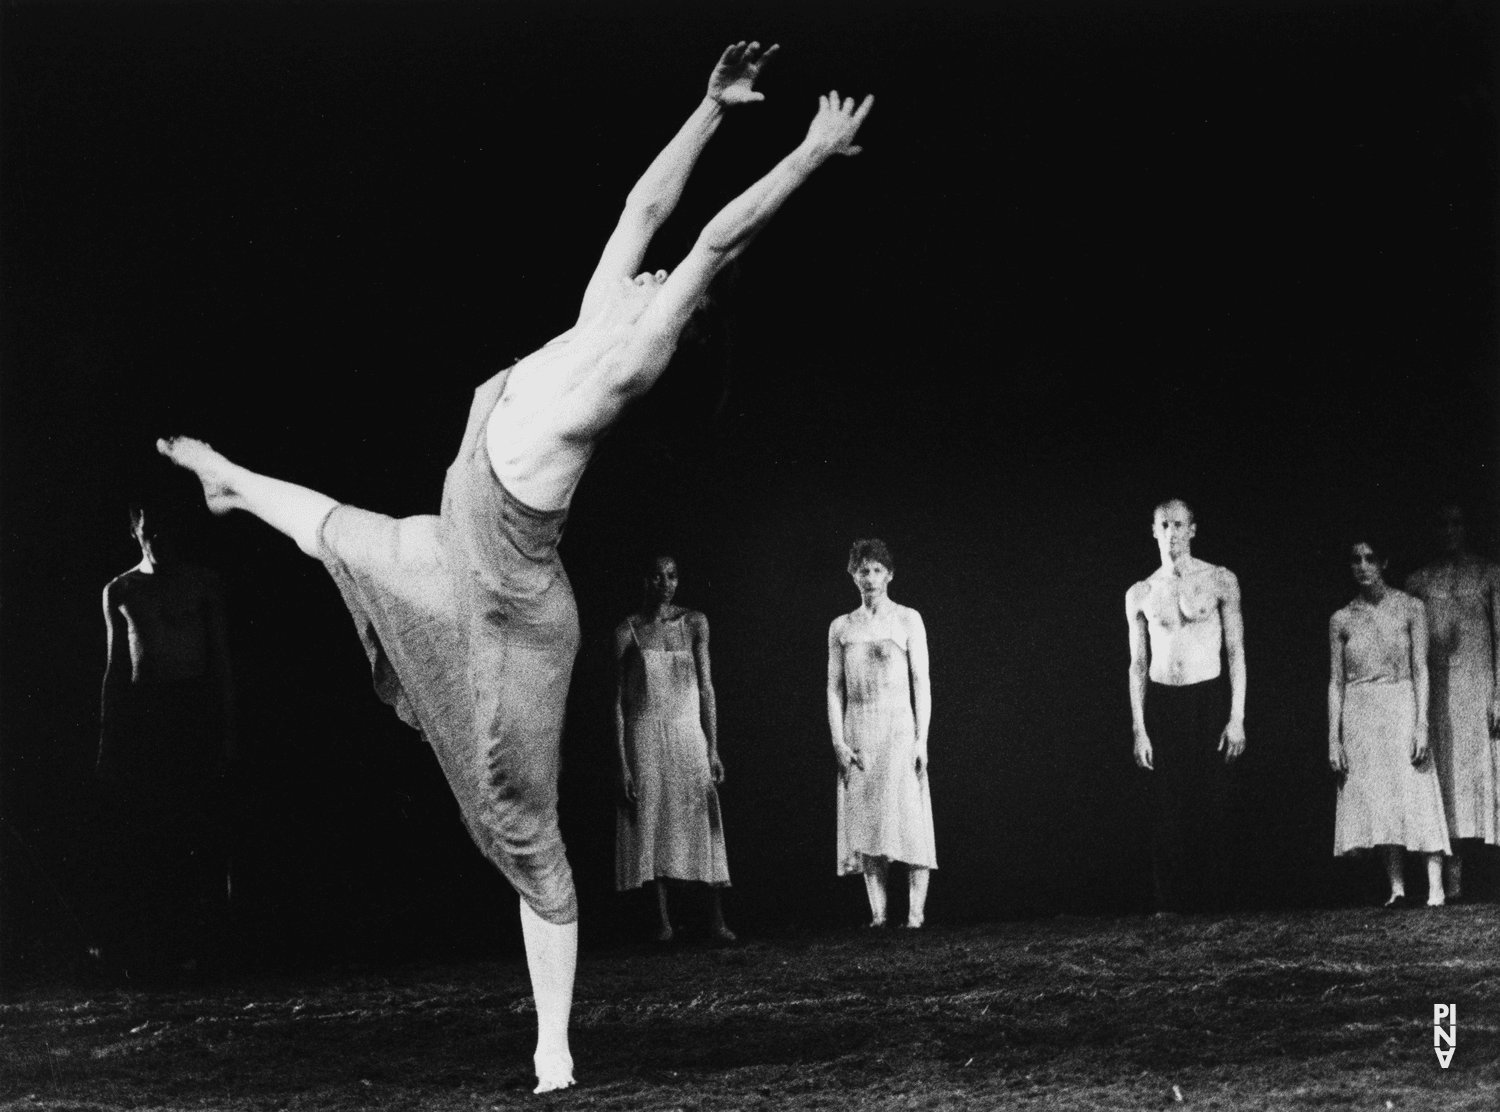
(1369, 847)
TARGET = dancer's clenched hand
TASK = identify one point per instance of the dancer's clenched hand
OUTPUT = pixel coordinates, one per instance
(1144, 758)
(833, 129)
(734, 77)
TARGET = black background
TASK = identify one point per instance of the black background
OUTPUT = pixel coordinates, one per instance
(1092, 256)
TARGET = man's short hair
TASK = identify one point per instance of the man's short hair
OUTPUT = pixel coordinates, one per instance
(870, 548)
(1169, 503)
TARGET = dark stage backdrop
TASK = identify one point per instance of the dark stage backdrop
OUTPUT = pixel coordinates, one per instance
(1092, 256)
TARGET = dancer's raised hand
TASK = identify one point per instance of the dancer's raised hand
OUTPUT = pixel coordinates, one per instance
(833, 128)
(734, 77)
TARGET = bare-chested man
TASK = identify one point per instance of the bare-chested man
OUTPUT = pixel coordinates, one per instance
(468, 617)
(1461, 590)
(166, 731)
(1182, 619)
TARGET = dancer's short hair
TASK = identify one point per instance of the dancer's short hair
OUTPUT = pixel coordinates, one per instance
(1168, 503)
(1378, 546)
(648, 565)
(870, 548)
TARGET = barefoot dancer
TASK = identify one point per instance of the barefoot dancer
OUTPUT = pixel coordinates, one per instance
(1181, 618)
(667, 729)
(468, 617)
(1389, 794)
(879, 709)
(1462, 593)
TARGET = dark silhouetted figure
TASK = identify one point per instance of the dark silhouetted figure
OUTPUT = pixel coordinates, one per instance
(670, 826)
(166, 741)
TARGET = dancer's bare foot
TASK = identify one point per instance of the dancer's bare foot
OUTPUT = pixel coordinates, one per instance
(214, 471)
(724, 934)
(553, 1071)
(665, 933)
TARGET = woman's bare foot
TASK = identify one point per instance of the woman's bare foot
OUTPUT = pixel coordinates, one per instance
(214, 471)
(553, 1071)
(665, 933)
(724, 934)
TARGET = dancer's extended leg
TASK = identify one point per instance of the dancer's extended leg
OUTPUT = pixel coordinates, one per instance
(875, 870)
(294, 510)
(551, 956)
(916, 888)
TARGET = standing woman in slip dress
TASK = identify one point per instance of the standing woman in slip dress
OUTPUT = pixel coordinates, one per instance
(669, 826)
(1389, 796)
(1461, 590)
(879, 707)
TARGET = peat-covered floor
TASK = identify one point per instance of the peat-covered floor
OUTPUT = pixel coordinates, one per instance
(1317, 1009)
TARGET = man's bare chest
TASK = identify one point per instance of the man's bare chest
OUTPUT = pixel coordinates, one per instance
(1191, 601)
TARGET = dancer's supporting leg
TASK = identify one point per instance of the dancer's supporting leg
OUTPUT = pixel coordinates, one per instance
(294, 510)
(875, 871)
(916, 887)
(551, 948)
(551, 956)
(1394, 857)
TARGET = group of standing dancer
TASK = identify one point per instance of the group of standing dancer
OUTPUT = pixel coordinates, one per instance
(670, 827)
(1413, 711)
(470, 626)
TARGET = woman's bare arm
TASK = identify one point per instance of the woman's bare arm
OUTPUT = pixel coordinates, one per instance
(921, 687)
(726, 236)
(656, 194)
(1337, 760)
(1417, 625)
(708, 707)
(622, 643)
(846, 756)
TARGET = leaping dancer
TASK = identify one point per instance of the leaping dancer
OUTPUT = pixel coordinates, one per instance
(468, 617)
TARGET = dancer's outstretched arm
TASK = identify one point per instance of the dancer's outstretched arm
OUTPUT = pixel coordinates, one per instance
(727, 235)
(656, 194)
